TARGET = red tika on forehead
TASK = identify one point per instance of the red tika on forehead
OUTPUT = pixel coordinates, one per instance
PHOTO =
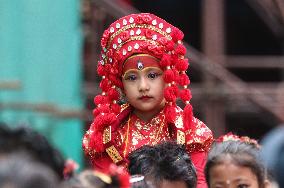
(138, 33)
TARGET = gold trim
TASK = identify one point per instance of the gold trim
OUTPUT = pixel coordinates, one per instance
(107, 135)
(126, 136)
(180, 137)
(143, 70)
(113, 154)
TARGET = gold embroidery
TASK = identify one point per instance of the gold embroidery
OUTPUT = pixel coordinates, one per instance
(131, 26)
(180, 137)
(114, 154)
(107, 135)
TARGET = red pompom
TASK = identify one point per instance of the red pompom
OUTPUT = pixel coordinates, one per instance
(100, 99)
(170, 45)
(104, 108)
(180, 50)
(183, 80)
(109, 119)
(113, 94)
(182, 65)
(166, 60)
(169, 76)
(177, 35)
(185, 95)
(102, 121)
(187, 117)
(174, 59)
(101, 70)
(171, 93)
(105, 85)
(96, 141)
(170, 113)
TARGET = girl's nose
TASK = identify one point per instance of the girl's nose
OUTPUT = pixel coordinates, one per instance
(143, 85)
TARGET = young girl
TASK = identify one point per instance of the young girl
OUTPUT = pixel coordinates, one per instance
(143, 60)
(235, 162)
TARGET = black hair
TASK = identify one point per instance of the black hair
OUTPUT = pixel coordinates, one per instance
(165, 161)
(20, 172)
(239, 153)
(89, 178)
(27, 140)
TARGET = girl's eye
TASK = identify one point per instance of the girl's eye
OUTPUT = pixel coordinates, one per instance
(131, 77)
(242, 186)
(153, 75)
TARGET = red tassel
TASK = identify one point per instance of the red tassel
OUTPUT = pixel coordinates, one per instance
(170, 93)
(170, 113)
(187, 117)
(185, 95)
(180, 50)
(169, 76)
(182, 65)
(183, 80)
(113, 94)
(166, 60)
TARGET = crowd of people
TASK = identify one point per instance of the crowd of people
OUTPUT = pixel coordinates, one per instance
(140, 137)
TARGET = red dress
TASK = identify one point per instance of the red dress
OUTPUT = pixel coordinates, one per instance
(134, 133)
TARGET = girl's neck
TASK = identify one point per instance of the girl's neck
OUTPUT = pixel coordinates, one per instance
(148, 115)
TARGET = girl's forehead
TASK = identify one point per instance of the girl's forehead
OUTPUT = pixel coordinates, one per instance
(140, 62)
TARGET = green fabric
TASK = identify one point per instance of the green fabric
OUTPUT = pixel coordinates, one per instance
(41, 48)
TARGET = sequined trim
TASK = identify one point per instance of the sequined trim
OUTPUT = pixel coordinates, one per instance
(113, 154)
(107, 135)
(180, 137)
(143, 26)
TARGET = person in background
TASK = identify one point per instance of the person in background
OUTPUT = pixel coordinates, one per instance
(273, 153)
(164, 165)
(116, 177)
(19, 171)
(235, 162)
(143, 69)
(27, 142)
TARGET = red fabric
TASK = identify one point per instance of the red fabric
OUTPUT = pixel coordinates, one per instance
(199, 161)
(102, 163)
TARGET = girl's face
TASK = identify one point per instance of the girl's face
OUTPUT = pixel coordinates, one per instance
(228, 175)
(144, 90)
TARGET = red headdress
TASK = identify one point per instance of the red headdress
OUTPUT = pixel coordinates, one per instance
(139, 34)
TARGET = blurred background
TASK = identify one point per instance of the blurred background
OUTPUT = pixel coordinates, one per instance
(49, 52)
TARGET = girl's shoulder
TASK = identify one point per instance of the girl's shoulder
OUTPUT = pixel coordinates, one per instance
(199, 137)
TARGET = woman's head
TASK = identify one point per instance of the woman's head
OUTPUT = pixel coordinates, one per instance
(234, 163)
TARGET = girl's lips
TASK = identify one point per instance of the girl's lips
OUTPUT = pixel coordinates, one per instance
(145, 97)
